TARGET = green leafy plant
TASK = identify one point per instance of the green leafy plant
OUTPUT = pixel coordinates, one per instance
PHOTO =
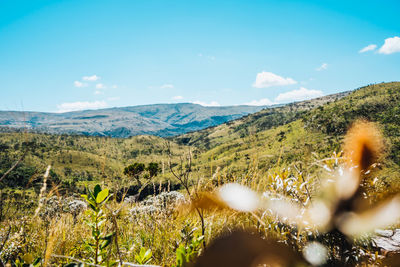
(186, 253)
(100, 239)
(144, 256)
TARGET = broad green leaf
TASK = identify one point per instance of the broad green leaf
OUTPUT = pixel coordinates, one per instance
(105, 243)
(107, 237)
(96, 190)
(102, 195)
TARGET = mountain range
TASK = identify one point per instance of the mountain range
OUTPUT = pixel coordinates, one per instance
(159, 119)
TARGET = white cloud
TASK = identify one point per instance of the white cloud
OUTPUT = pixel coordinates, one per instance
(91, 78)
(80, 84)
(167, 86)
(98, 92)
(100, 86)
(114, 86)
(73, 106)
(177, 97)
(298, 95)
(391, 45)
(211, 104)
(324, 66)
(267, 79)
(261, 102)
(368, 48)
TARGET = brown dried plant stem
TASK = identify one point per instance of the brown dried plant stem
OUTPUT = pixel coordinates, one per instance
(183, 178)
(116, 229)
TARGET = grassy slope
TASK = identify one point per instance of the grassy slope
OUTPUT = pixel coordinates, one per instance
(283, 135)
(85, 157)
(250, 124)
(236, 145)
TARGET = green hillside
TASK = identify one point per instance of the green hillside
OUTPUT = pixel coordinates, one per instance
(300, 132)
(256, 122)
(78, 158)
(297, 133)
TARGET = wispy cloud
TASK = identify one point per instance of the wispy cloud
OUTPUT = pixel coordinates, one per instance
(324, 66)
(211, 104)
(74, 106)
(177, 97)
(100, 86)
(391, 45)
(370, 47)
(98, 92)
(80, 84)
(298, 95)
(267, 79)
(261, 102)
(167, 86)
(91, 78)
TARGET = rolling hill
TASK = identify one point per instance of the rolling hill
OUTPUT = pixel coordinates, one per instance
(298, 133)
(301, 133)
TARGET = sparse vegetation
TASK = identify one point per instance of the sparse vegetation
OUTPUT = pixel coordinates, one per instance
(284, 156)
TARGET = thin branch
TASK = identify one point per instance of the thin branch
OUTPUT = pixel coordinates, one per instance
(183, 178)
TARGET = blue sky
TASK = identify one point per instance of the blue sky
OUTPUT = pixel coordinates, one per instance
(59, 56)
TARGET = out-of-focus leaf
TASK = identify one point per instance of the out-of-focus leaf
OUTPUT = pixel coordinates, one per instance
(208, 201)
(383, 215)
(240, 249)
(239, 197)
(315, 253)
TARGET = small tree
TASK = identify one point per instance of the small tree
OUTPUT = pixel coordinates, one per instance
(134, 170)
(153, 169)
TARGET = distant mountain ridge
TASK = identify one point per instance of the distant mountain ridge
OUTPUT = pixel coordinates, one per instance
(158, 119)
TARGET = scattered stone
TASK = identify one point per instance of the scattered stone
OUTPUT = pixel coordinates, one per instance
(388, 240)
(162, 203)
